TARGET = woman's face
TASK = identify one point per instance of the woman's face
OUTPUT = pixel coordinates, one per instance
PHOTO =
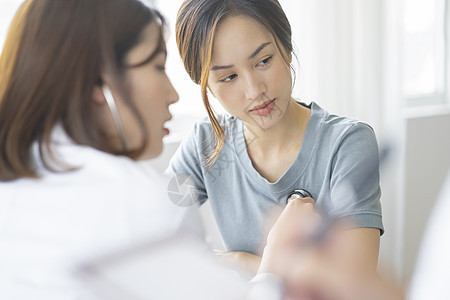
(151, 92)
(248, 74)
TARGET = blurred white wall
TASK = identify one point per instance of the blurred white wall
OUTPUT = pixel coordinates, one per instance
(427, 161)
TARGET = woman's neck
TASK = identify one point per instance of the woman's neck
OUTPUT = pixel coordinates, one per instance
(286, 135)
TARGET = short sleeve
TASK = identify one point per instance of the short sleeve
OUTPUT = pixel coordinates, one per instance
(355, 179)
(186, 166)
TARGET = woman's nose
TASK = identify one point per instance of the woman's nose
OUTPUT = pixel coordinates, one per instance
(173, 96)
(255, 87)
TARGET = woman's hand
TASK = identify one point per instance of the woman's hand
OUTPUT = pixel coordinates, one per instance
(290, 234)
(244, 262)
(320, 270)
(296, 223)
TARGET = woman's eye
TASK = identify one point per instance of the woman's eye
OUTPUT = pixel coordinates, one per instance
(229, 78)
(265, 61)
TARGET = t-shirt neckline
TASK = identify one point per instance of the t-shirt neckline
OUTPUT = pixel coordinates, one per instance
(299, 165)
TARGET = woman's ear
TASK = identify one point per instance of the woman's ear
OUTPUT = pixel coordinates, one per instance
(98, 96)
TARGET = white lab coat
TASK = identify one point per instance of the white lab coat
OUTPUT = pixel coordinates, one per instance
(49, 225)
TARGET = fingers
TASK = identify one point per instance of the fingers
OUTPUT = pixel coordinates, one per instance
(296, 198)
(302, 214)
(296, 223)
(298, 206)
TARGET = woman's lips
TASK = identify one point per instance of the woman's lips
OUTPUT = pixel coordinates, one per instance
(165, 129)
(264, 109)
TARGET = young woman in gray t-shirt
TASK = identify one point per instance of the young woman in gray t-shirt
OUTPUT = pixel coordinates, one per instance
(248, 161)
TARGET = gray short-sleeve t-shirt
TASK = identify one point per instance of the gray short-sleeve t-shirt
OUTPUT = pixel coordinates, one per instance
(337, 164)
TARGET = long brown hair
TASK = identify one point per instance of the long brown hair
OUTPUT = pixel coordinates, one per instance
(196, 26)
(52, 59)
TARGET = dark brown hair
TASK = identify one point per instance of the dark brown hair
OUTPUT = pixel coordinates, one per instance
(52, 59)
(196, 26)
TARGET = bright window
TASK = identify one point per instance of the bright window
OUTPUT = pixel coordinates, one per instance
(424, 47)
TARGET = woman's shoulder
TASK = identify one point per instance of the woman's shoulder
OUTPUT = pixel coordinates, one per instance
(117, 167)
(94, 177)
(336, 126)
(77, 162)
(79, 165)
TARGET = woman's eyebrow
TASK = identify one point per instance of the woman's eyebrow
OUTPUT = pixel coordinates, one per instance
(259, 49)
(216, 68)
(159, 50)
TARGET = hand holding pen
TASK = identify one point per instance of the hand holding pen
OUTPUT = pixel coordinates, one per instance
(320, 232)
(296, 223)
(296, 239)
